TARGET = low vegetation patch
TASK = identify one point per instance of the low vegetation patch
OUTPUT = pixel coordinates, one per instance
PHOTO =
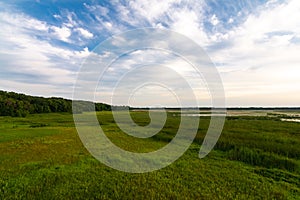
(42, 157)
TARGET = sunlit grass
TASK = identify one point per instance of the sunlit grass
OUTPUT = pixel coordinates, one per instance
(50, 162)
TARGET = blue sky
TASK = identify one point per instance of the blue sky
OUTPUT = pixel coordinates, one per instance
(254, 44)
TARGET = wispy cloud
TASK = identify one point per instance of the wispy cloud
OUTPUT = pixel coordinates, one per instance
(255, 44)
(262, 58)
(27, 55)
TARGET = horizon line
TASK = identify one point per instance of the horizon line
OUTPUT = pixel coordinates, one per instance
(167, 107)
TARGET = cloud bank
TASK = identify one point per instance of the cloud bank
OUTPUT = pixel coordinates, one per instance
(254, 44)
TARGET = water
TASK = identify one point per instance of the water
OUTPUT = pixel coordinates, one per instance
(202, 115)
(290, 120)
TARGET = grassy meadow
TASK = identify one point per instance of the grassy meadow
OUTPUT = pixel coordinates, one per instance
(256, 157)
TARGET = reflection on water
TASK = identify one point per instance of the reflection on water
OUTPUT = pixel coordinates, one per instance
(291, 120)
(201, 115)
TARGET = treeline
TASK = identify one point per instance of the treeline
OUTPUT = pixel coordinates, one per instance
(20, 105)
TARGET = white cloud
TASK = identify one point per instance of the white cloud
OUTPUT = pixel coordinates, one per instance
(100, 10)
(57, 16)
(71, 23)
(231, 20)
(183, 16)
(261, 58)
(108, 25)
(255, 57)
(85, 33)
(258, 58)
(189, 23)
(62, 33)
(27, 61)
(152, 10)
(214, 20)
(22, 21)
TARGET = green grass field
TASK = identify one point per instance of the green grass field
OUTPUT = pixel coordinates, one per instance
(42, 157)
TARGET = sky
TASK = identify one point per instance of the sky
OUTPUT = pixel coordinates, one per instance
(253, 44)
